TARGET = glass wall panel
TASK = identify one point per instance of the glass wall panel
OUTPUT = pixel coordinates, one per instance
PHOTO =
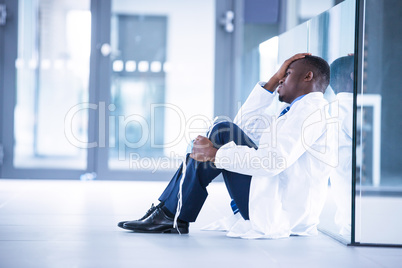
(162, 80)
(379, 131)
(332, 37)
(292, 42)
(52, 83)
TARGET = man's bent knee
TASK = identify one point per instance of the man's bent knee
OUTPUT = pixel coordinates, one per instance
(223, 133)
(226, 131)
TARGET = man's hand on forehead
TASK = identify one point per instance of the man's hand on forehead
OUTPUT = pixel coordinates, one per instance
(274, 81)
(282, 70)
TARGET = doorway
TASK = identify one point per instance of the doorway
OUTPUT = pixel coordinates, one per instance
(106, 89)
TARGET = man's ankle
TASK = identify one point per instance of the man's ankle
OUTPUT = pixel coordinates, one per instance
(170, 214)
(167, 212)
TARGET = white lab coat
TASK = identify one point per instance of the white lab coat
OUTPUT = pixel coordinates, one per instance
(289, 170)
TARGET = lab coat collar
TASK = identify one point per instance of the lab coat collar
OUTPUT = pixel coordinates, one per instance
(298, 98)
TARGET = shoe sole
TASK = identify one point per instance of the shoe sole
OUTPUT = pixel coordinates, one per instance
(175, 231)
(164, 231)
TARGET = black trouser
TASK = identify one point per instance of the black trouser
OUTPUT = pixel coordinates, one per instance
(200, 174)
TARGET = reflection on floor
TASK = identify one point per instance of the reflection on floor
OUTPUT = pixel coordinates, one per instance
(378, 217)
(73, 224)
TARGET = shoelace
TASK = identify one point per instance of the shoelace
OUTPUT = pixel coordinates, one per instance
(148, 212)
(179, 197)
(179, 194)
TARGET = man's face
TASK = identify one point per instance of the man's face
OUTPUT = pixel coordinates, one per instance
(289, 86)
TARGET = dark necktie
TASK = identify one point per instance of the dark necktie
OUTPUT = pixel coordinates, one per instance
(284, 111)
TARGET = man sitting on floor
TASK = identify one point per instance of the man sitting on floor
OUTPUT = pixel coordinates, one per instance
(275, 167)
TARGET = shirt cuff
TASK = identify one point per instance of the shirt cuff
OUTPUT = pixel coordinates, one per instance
(262, 84)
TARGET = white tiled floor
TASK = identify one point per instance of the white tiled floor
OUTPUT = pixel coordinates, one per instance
(73, 224)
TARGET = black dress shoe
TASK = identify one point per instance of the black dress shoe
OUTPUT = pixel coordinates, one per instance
(157, 222)
(121, 224)
(149, 212)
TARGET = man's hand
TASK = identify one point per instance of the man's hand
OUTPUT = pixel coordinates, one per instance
(203, 150)
(274, 81)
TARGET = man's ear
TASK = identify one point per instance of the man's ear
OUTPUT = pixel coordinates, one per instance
(309, 76)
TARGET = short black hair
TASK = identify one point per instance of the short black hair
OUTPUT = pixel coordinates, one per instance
(319, 66)
(341, 69)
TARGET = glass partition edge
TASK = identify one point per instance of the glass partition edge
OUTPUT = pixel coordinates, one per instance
(359, 32)
(358, 85)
